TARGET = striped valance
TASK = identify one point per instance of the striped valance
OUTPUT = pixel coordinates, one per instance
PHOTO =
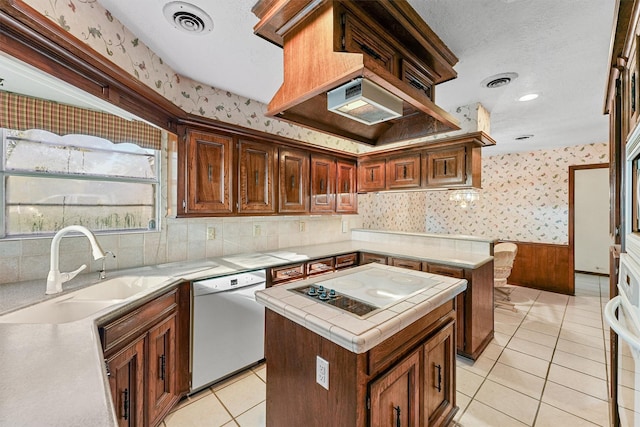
(22, 112)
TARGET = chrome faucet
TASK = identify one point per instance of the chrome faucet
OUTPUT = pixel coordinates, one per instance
(103, 272)
(55, 279)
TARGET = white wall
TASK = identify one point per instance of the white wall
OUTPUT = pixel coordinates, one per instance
(591, 220)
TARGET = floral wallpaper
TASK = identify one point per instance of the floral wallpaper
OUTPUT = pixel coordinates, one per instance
(88, 21)
(524, 197)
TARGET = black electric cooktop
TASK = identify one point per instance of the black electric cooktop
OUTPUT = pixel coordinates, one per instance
(331, 297)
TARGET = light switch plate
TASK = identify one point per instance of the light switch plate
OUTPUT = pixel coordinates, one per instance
(322, 372)
(211, 232)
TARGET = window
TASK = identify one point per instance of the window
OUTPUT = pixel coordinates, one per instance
(50, 182)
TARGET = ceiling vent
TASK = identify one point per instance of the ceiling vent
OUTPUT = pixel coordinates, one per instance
(365, 102)
(188, 18)
(499, 80)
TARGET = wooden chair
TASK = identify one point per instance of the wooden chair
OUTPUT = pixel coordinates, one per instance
(503, 256)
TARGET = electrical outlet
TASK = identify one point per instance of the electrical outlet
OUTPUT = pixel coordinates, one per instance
(322, 372)
(257, 230)
(345, 226)
(302, 226)
(211, 232)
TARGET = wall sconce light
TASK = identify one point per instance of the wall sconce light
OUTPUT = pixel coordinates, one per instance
(465, 198)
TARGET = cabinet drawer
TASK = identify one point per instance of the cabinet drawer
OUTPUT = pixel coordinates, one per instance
(366, 258)
(287, 273)
(343, 261)
(410, 264)
(121, 331)
(445, 270)
(325, 265)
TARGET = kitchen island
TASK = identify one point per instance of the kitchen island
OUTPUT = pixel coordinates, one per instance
(392, 363)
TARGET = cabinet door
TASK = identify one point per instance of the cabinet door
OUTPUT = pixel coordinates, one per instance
(358, 37)
(346, 198)
(209, 159)
(294, 181)
(395, 395)
(161, 372)
(447, 167)
(439, 377)
(371, 175)
(126, 380)
(323, 183)
(257, 163)
(403, 172)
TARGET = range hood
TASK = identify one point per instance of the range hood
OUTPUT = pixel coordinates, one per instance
(358, 69)
(365, 102)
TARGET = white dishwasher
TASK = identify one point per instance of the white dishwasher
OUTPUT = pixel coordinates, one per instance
(227, 326)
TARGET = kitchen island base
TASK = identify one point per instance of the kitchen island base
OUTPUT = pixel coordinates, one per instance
(408, 378)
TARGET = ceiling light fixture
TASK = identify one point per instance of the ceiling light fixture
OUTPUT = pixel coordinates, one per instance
(528, 97)
(499, 80)
(465, 198)
(188, 18)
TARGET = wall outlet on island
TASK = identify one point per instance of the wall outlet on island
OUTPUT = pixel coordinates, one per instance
(322, 372)
(302, 226)
(211, 232)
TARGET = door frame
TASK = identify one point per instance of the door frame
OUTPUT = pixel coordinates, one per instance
(572, 188)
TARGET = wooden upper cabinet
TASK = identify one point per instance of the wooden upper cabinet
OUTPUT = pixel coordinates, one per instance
(358, 37)
(371, 175)
(294, 181)
(209, 177)
(404, 171)
(323, 183)
(445, 167)
(346, 197)
(257, 165)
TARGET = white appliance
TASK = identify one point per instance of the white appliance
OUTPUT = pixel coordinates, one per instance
(622, 313)
(227, 325)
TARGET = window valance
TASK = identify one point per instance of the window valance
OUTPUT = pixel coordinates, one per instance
(22, 112)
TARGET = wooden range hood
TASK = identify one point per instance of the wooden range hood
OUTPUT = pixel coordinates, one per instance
(328, 43)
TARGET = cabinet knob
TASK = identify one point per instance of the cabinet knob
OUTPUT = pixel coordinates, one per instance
(210, 173)
(398, 420)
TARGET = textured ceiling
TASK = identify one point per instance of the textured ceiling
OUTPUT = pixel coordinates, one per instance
(559, 48)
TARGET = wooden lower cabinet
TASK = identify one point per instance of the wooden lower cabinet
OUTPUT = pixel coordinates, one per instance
(147, 356)
(367, 257)
(410, 264)
(475, 306)
(126, 381)
(397, 380)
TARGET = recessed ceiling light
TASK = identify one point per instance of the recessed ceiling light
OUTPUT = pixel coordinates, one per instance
(528, 97)
(188, 17)
(498, 80)
(523, 137)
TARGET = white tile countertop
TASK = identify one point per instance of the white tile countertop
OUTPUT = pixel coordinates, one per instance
(355, 333)
(53, 374)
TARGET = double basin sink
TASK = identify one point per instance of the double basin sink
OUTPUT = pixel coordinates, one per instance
(88, 301)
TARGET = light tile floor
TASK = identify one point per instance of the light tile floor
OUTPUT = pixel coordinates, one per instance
(547, 366)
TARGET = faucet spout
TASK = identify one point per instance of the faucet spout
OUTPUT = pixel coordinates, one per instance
(55, 279)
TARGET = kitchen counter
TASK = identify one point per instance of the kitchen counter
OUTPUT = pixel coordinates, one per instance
(360, 334)
(54, 372)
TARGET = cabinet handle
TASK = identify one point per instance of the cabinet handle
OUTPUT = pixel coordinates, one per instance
(439, 386)
(371, 174)
(415, 83)
(369, 51)
(210, 173)
(321, 185)
(398, 421)
(125, 404)
(404, 171)
(293, 181)
(255, 177)
(346, 186)
(106, 366)
(163, 366)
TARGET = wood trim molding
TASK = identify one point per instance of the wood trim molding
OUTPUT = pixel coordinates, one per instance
(571, 231)
(543, 266)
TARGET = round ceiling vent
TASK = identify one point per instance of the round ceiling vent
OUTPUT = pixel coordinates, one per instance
(523, 137)
(499, 80)
(188, 17)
